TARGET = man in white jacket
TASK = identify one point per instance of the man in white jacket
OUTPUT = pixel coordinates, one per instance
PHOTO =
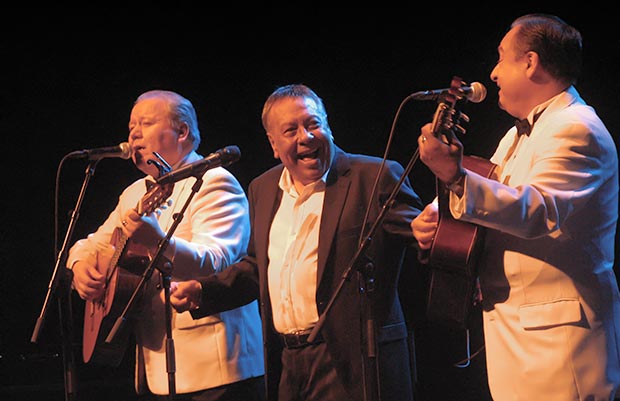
(551, 307)
(219, 357)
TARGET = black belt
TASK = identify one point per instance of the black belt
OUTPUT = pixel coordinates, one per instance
(299, 339)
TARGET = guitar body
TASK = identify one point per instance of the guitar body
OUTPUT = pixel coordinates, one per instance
(453, 258)
(100, 316)
(124, 271)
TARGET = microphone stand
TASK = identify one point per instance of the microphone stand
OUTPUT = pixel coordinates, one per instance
(362, 263)
(165, 272)
(64, 276)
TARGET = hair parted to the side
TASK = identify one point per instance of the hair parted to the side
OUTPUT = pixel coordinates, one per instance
(182, 111)
(288, 91)
(558, 44)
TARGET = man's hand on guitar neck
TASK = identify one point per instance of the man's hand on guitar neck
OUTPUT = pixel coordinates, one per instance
(443, 158)
(143, 230)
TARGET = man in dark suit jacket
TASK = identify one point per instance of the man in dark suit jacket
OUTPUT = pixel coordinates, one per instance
(309, 216)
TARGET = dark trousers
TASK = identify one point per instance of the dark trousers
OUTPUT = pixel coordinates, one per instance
(247, 390)
(308, 374)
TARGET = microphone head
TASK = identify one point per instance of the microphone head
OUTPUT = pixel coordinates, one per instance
(125, 150)
(478, 92)
(229, 155)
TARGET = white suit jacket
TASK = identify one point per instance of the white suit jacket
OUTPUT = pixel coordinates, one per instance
(551, 308)
(213, 233)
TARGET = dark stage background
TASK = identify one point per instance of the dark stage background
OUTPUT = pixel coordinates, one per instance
(69, 84)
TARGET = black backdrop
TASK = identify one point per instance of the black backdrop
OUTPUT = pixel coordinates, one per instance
(69, 82)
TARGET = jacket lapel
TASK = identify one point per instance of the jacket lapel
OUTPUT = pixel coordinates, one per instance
(268, 200)
(337, 188)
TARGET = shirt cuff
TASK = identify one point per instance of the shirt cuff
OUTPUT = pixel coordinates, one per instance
(458, 186)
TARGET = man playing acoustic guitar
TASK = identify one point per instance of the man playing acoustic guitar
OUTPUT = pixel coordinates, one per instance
(219, 357)
(550, 300)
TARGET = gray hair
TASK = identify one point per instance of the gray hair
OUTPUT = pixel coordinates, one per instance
(292, 90)
(181, 111)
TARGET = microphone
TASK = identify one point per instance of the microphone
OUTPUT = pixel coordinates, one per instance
(475, 93)
(122, 150)
(223, 157)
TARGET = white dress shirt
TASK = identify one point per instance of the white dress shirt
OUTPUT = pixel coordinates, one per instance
(293, 252)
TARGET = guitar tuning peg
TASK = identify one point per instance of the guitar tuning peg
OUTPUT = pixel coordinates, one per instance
(460, 130)
(164, 206)
(464, 117)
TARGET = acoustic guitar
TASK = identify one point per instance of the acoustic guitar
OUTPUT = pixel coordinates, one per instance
(453, 256)
(123, 276)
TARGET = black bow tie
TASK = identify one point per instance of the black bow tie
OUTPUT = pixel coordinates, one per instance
(523, 127)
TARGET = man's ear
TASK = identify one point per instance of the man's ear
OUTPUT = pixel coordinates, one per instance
(183, 131)
(533, 63)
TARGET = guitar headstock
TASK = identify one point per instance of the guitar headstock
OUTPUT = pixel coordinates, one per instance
(447, 119)
(155, 196)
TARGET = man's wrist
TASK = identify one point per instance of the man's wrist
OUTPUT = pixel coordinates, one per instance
(458, 184)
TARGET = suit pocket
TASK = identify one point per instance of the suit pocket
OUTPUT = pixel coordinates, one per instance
(550, 313)
(185, 321)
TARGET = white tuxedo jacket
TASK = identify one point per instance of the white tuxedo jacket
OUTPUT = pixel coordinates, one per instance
(551, 307)
(213, 233)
